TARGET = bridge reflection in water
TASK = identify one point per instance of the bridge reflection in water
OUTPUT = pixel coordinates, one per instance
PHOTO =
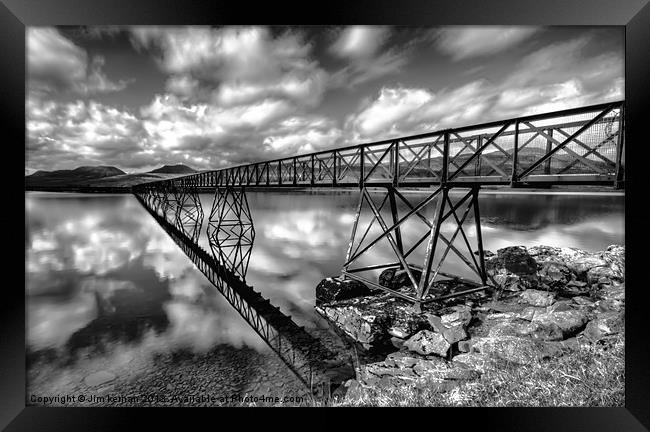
(231, 235)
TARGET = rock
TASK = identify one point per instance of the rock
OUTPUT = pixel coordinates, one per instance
(465, 346)
(398, 279)
(534, 330)
(609, 305)
(530, 312)
(513, 269)
(537, 298)
(596, 330)
(517, 260)
(397, 342)
(403, 368)
(398, 332)
(99, 378)
(561, 306)
(334, 289)
(426, 342)
(583, 301)
(615, 321)
(369, 320)
(583, 264)
(509, 348)
(573, 288)
(359, 320)
(615, 291)
(615, 256)
(477, 362)
(569, 321)
(386, 277)
(453, 332)
(602, 274)
(461, 316)
(555, 274)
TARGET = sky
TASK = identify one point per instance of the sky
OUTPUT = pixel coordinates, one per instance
(210, 97)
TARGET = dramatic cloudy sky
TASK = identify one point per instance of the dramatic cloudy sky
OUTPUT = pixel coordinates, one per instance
(140, 97)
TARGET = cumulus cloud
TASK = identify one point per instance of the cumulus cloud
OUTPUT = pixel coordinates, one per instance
(555, 77)
(80, 133)
(361, 47)
(216, 136)
(237, 95)
(56, 64)
(235, 65)
(475, 41)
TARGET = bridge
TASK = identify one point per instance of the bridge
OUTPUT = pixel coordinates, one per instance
(582, 146)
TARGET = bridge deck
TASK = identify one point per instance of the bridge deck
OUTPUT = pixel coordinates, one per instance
(582, 146)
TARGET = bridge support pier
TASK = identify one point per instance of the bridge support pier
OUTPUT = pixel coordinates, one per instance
(423, 234)
(230, 229)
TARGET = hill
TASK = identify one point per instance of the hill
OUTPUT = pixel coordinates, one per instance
(174, 169)
(63, 177)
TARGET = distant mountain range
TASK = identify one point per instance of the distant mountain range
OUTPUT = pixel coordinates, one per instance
(99, 178)
(174, 169)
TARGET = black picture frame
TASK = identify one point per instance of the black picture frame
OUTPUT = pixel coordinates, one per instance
(634, 15)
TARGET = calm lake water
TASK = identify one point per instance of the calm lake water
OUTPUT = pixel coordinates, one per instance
(108, 290)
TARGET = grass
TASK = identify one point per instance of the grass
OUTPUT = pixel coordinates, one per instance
(594, 375)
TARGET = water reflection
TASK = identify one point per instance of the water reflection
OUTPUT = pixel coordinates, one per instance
(102, 277)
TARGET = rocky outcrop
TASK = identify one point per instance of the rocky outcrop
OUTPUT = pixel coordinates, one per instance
(335, 289)
(405, 368)
(398, 279)
(551, 301)
(426, 342)
(372, 321)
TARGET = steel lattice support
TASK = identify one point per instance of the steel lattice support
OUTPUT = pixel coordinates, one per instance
(189, 211)
(230, 229)
(426, 239)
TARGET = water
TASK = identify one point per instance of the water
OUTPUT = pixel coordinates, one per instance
(107, 290)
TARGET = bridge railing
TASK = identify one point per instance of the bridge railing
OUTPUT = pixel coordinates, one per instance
(580, 146)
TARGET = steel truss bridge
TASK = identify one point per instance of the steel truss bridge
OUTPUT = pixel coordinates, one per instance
(582, 146)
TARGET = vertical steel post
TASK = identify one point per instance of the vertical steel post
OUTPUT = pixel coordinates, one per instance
(515, 157)
(393, 210)
(295, 174)
(445, 160)
(620, 171)
(348, 254)
(362, 164)
(280, 172)
(395, 163)
(313, 173)
(335, 176)
(547, 164)
(431, 246)
(479, 235)
(477, 168)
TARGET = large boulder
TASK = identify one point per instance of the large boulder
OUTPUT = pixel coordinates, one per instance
(334, 289)
(513, 269)
(398, 279)
(427, 342)
(373, 320)
(517, 260)
(569, 321)
(554, 274)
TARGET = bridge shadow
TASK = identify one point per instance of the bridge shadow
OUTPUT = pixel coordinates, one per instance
(316, 366)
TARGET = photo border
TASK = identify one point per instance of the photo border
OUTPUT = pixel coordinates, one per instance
(634, 15)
